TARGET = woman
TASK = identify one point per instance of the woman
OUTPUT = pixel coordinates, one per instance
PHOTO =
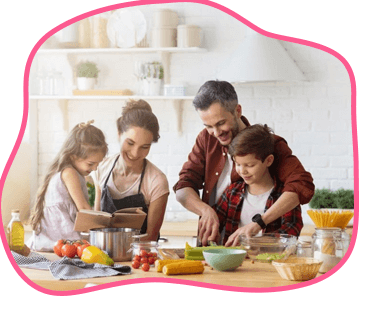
(128, 179)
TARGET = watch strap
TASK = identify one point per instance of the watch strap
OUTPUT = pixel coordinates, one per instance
(257, 218)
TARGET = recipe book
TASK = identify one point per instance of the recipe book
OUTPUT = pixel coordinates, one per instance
(124, 218)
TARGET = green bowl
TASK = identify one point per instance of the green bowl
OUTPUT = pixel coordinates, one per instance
(224, 259)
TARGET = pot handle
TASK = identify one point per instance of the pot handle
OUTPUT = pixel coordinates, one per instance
(139, 236)
(85, 235)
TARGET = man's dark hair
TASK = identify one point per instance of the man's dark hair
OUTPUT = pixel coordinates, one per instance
(216, 92)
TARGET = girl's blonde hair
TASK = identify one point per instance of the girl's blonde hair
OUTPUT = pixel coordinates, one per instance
(84, 140)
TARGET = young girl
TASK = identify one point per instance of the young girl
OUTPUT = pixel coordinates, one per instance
(64, 190)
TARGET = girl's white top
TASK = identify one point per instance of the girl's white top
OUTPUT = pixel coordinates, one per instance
(59, 215)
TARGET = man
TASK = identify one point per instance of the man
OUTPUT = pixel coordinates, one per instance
(209, 167)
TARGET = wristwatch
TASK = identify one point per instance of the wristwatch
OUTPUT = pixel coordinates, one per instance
(257, 219)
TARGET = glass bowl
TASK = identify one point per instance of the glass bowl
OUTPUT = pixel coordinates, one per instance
(269, 246)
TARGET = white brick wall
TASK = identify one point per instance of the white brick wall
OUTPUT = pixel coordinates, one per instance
(314, 117)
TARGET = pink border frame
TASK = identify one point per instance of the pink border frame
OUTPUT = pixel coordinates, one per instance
(181, 281)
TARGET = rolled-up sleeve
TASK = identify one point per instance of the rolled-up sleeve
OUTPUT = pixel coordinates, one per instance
(192, 173)
(291, 172)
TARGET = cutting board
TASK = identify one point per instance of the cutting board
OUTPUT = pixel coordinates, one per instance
(103, 92)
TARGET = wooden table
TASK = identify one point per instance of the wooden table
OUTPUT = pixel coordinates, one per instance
(257, 275)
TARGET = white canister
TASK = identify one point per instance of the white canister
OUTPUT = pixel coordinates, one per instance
(164, 37)
(188, 36)
(68, 37)
(165, 18)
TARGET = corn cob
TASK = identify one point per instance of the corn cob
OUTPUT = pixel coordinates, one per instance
(162, 262)
(183, 267)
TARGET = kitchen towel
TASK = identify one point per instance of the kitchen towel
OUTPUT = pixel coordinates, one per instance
(33, 260)
(68, 268)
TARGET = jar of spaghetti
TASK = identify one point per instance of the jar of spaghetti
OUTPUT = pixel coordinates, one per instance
(327, 246)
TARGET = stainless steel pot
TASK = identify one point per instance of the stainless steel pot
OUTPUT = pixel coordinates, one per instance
(115, 241)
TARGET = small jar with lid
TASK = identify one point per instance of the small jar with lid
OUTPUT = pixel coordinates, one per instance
(346, 240)
(145, 249)
(327, 246)
(304, 246)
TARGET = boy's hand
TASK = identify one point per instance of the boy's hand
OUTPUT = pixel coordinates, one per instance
(248, 230)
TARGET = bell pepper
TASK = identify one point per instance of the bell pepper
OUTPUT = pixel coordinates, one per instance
(92, 254)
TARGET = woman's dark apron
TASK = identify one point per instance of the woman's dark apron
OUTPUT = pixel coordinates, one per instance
(108, 204)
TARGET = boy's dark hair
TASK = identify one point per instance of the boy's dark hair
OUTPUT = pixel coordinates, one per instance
(216, 92)
(256, 139)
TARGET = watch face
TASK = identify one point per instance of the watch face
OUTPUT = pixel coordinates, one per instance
(256, 217)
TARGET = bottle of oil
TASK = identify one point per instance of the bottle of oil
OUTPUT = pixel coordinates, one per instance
(15, 231)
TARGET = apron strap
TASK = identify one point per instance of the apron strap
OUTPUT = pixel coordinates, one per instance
(142, 174)
(107, 178)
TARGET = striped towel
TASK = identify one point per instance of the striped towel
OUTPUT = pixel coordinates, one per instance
(69, 268)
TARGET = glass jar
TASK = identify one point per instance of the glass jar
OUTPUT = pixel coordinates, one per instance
(149, 248)
(58, 83)
(346, 241)
(327, 246)
(304, 246)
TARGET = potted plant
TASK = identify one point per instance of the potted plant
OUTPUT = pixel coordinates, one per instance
(328, 199)
(86, 73)
(152, 81)
(91, 193)
(332, 203)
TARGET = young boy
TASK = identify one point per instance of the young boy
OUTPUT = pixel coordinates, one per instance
(242, 206)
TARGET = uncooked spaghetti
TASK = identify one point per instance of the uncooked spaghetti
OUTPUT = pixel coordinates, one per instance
(330, 218)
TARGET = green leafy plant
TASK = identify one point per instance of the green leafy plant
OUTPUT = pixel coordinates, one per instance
(91, 193)
(325, 198)
(345, 199)
(154, 73)
(87, 69)
(161, 74)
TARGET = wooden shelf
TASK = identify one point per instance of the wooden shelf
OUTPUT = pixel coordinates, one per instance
(121, 50)
(110, 97)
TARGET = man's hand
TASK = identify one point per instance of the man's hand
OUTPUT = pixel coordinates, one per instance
(249, 230)
(208, 226)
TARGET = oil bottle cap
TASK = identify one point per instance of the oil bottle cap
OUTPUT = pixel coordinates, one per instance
(15, 210)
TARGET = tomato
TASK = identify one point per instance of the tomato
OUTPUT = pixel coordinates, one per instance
(145, 267)
(84, 241)
(57, 247)
(80, 249)
(68, 250)
(135, 264)
(144, 260)
(137, 258)
(76, 244)
(154, 254)
(143, 253)
(151, 260)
